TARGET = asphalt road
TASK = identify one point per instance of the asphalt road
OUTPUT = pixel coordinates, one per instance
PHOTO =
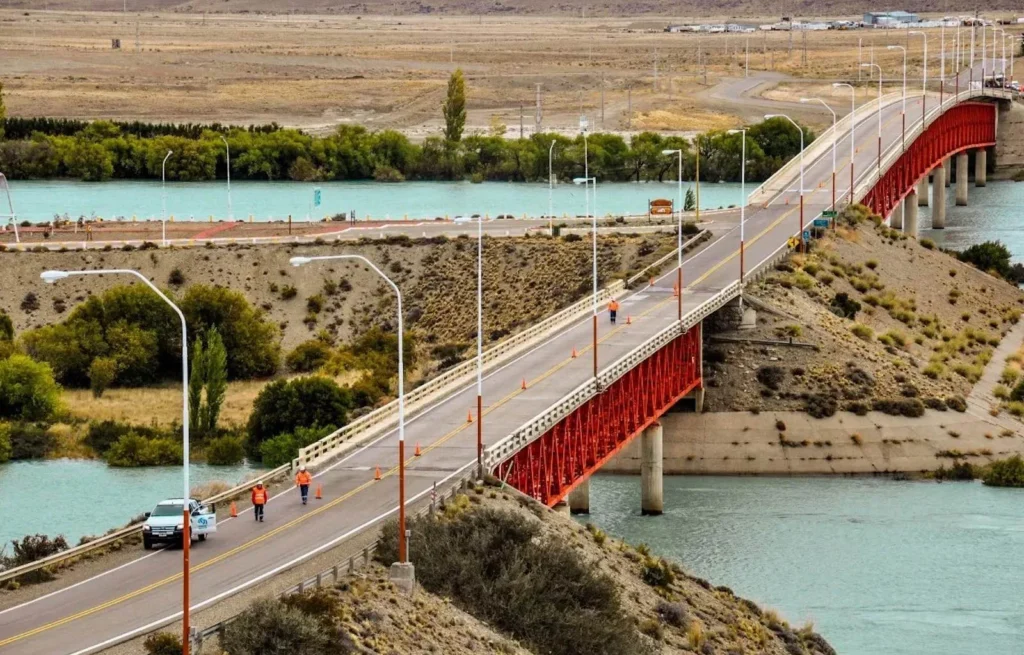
(146, 592)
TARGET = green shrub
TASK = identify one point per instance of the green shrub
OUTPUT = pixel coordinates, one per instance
(6, 327)
(102, 373)
(821, 405)
(911, 407)
(657, 573)
(30, 440)
(959, 471)
(789, 331)
(771, 376)
(27, 390)
(1005, 473)
(176, 278)
(315, 304)
(957, 403)
(5, 442)
(103, 434)
(225, 450)
(494, 565)
(269, 626)
(927, 243)
(862, 332)
(934, 370)
(162, 643)
(285, 447)
(30, 549)
(1001, 392)
(133, 450)
(285, 405)
(251, 341)
(288, 292)
(308, 356)
(893, 338)
(1018, 391)
(844, 306)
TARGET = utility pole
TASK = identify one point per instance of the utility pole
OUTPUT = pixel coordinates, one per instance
(629, 108)
(537, 116)
(520, 121)
(602, 100)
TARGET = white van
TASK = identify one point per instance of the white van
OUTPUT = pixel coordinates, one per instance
(164, 524)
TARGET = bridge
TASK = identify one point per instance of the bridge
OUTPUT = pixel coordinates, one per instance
(548, 421)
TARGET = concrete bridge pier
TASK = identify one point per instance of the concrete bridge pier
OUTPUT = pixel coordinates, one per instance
(939, 198)
(945, 169)
(562, 507)
(961, 179)
(980, 167)
(651, 492)
(579, 498)
(910, 211)
(896, 217)
(922, 191)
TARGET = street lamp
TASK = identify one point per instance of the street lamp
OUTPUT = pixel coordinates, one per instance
(767, 116)
(679, 213)
(743, 201)
(480, 347)
(51, 277)
(586, 160)
(903, 112)
(10, 204)
(834, 140)
(924, 78)
(231, 214)
(301, 261)
(853, 129)
(879, 115)
(163, 194)
(585, 181)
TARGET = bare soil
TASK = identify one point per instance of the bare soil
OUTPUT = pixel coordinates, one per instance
(949, 316)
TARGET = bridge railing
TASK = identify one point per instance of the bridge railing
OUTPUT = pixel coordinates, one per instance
(533, 429)
(384, 418)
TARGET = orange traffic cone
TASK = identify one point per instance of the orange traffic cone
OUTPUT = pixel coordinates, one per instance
(629, 320)
(675, 290)
(319, 492)
(417, 453)
(574, 352)
(469, 416)
(523, 385)
(234, 510)
(376, 474)
(652, 281)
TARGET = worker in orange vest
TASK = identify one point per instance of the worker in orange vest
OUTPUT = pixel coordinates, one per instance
(613, 309)
(260, 496)
(302, 480)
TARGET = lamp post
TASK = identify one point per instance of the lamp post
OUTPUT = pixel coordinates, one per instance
(10, 204)
(586, 160)
(879, 116)
(834, 140)
(853, 130)
(984, 53)
(480, 347)
(743, 200)
(231, 213)
(51, 277)
(163, 195)
(679, 240)
(903, 112)
(551, 187)
(767, 116)
(301, 261)
(585, 181)
(924, 77)
(942, 62)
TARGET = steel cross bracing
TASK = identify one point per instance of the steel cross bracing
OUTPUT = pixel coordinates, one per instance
(966, 126)
(549, 467)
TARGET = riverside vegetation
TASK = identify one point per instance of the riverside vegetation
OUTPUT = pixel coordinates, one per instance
(330, 343)
(500, 573)
(41, 148)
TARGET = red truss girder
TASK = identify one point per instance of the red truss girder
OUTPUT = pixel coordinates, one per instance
(549, 467)
(963, 127)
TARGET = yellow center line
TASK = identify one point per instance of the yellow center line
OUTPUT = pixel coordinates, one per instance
(390, 472)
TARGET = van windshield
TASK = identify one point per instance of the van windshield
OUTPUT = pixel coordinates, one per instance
(167, 510)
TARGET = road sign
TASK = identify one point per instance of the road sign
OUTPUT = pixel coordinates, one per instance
(807, 235)
(829, 213)
(821, 222)
(316, 197)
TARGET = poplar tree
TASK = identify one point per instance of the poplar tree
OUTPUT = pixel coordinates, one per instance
(454, 107)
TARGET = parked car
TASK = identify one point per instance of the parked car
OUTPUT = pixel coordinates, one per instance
(165, 524)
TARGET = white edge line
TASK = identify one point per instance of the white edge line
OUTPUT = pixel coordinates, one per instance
(263, 576)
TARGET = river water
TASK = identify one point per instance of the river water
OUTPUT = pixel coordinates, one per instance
(880, 567)
(78, 497)
(38, 201)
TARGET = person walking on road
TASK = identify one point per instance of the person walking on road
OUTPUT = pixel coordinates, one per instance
(260, 496)
(613, 309)
(302, 480)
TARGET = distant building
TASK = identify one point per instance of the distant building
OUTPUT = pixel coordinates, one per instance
(888, 18)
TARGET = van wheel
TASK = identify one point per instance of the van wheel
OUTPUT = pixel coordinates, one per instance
(202, 537)
(147, 544)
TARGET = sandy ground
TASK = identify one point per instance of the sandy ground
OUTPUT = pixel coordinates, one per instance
(317, 72)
